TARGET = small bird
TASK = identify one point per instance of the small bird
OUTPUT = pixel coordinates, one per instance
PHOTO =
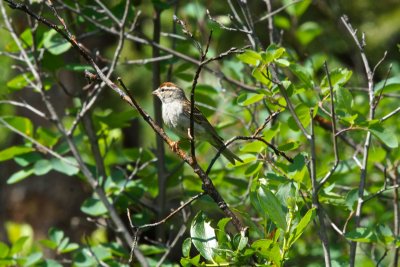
(176, 115)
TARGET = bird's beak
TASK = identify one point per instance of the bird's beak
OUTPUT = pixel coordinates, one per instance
(155, 92)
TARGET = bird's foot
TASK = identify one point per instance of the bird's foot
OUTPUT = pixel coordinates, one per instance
(175, 146)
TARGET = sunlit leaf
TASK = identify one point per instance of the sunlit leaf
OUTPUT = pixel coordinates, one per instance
(19, 176)
(384, 134)
(93, 207)
(55, 43)
(272, 206)
(14, 151)
(203, 236)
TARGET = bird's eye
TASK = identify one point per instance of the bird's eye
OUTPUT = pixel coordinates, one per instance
(162, 89)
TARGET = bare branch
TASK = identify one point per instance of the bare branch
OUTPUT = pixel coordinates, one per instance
(334, 136)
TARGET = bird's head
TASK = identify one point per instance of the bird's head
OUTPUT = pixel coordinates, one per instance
(168, 92)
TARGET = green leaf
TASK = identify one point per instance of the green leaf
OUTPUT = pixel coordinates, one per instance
(186, 245)
(20, 81)
(296, 9)
(51, 263)
(42, 167)
(48, 243)
(4, 249)
(47, 137)
(272, 206)
(33, 258)
(18, 246)
(303, 113)
(282, 62)
(240, 241)
(261, 75)
(55, 43)
(307, 32)
(56, 235)
(384, 234)
(19, 176)
(93, 207)
(339, 77)
(344, 100)
(250, 57)
(252, 169)
(26, 159)
(222, 236)
(253, 147)
(282, 22)
(22, 124)
(384, 134)
(391, 85)
(361, 234)
(13, 151)
(246, 99)
(289, 146)
(63, 167)
(117, 119)
(203, 236)
(303, 74)
(301, 226)
(351, 199)
(69, 248)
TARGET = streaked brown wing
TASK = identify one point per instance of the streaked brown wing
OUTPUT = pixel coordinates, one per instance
(199, 118)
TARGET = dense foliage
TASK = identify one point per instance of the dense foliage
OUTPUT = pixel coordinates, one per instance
(308, 102)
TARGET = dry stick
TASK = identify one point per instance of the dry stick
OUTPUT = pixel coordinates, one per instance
(27, 106)
(222, 26)
(273, 13)
(192, 99)
(174, 242)
(120, 226)
(334, 136)
(160, 149)
(315, 201)
(363, 176)
(237, 18)
(270, 21)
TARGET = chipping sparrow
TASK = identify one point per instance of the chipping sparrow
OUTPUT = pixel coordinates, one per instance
(176, 115)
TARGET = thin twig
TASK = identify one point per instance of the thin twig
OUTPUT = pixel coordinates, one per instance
(314, 184)
(334, 136)
(37, 144)
(192, 99)
(361, 44)
(27, 106)
(273, 13)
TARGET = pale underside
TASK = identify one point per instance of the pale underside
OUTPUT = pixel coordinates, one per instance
(179, 123)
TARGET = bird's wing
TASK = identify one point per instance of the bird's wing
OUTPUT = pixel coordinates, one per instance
(199, 118)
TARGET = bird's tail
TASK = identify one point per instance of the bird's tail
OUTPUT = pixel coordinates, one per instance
(229, 155)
